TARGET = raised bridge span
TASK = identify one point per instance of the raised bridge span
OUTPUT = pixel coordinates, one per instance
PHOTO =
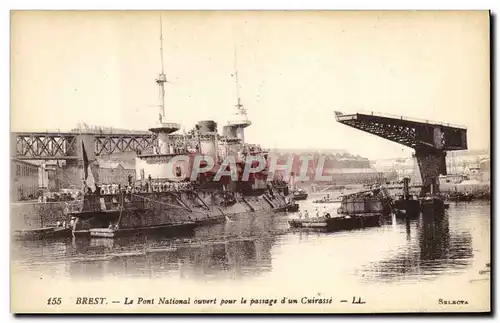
(430, 140)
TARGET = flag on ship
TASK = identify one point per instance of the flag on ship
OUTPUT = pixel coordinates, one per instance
(88, 177)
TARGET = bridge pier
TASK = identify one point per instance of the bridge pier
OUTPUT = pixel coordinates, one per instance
(431, 163)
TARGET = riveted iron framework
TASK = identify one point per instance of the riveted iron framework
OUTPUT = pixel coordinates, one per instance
(45, 145)
(430, 140)
(106, 144)
(53, 146)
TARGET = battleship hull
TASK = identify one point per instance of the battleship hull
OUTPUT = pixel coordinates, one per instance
(149, 210)
(145, 211)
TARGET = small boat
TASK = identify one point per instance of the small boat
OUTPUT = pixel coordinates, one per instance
(460, 197)
(42, 233)
(432, 205)
(290, 207)
(313, 223)
(323, 201)
(300, 195)
(343, 222)
(406, 208)
(169, 230)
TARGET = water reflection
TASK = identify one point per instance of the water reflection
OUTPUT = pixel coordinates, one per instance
(261, 245)
(227, 259)
(436, 249)
(228, 250)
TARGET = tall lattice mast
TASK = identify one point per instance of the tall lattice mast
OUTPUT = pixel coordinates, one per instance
(162, 78)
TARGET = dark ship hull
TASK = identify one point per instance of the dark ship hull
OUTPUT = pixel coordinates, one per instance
(168, 213)
(181, 210)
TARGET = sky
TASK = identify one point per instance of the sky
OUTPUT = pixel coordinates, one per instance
(295, 69)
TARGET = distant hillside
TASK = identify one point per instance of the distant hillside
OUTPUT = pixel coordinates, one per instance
(83, 127)
(335, 158)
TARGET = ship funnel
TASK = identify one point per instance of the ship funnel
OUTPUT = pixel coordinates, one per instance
(207, 130)
(207, 126)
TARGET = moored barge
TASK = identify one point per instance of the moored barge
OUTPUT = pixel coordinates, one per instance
(337, 223)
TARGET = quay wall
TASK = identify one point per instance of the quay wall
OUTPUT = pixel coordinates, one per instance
(33, 215)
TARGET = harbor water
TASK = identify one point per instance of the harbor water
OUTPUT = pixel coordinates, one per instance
(264, 257)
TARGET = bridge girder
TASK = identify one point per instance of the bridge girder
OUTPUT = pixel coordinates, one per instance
(67, 146)
(429, 140)
(407, 132)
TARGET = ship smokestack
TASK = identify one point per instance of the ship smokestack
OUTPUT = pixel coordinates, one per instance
(207, 130)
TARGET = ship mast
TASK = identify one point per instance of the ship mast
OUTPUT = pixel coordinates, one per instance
(240, 120)
(162, 78)
(164, 128)
(239, 106)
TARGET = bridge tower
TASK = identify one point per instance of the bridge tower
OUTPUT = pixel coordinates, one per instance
(163, 128)
(430, 141)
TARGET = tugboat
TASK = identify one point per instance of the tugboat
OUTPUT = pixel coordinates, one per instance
(406, 206)
(299, 194)
(432, 204)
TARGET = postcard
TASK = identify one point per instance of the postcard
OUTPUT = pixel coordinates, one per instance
(250, 162)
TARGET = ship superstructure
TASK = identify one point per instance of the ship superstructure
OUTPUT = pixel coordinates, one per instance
(165, 193)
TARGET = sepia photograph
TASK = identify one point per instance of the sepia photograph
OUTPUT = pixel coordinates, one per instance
(250, 162)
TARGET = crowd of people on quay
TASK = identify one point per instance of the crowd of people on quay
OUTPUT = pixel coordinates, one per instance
(149, 186)
(57, 197)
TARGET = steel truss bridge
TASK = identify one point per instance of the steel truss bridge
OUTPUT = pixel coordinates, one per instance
(67, 145)
(430, 140)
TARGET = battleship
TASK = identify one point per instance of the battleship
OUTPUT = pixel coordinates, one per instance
(165, 195)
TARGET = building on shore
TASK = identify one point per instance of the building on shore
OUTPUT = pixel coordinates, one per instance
(54, 175)
(50, 174)
(110, 172)
(485, 170)
(24, 180)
